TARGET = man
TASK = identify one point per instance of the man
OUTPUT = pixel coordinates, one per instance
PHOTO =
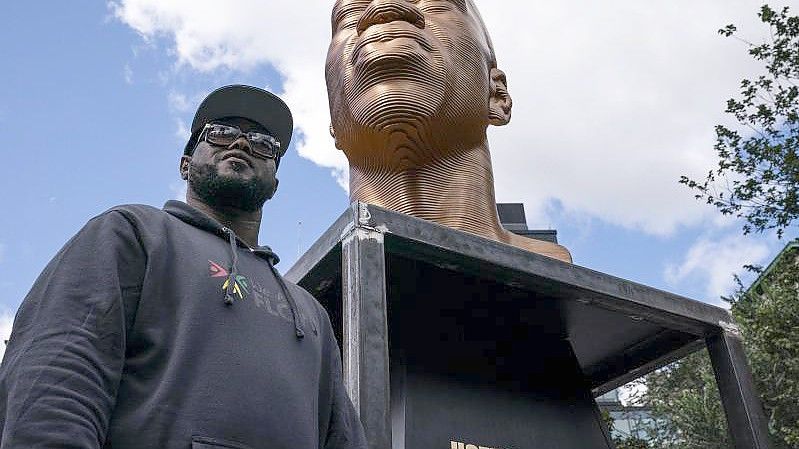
(413, 85)
(171, 328)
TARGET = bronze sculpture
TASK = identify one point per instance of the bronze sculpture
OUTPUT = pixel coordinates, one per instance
(413, 86)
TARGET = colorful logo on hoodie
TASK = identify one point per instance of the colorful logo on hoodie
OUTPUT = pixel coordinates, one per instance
(241, 286)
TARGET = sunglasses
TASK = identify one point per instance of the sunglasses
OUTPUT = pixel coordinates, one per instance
(262, 145)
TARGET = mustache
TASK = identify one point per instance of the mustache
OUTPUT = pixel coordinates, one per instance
(221, 191)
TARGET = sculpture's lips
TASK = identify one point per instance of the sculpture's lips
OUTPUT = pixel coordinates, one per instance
(379, 34)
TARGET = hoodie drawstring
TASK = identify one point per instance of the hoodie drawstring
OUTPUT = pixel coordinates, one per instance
(231, 282)
(290, 299)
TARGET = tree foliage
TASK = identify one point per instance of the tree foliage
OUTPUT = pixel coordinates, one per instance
(768, 316)
(757, 177)
(631, 443)
(685, 399)
(684, 395)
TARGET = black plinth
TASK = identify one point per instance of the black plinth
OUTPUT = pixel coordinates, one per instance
(450, 338)
(476, 361)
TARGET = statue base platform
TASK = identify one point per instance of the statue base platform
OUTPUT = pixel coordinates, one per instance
(453, 341)
(478, 362)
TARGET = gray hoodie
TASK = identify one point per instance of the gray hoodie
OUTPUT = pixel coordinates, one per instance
(159, 329)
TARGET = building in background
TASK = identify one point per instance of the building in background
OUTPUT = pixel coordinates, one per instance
(512, 218)
(629, 421)
(790, 252)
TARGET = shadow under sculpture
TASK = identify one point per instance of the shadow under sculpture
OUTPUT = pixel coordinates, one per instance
(413, 87)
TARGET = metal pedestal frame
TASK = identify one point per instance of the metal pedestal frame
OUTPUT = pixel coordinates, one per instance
(651, 328)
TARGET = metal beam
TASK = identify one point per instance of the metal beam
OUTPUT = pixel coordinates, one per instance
(462, 251)
(366, 357)
(745, 417)
(636, 372)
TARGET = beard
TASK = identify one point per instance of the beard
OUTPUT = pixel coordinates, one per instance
(220, 191)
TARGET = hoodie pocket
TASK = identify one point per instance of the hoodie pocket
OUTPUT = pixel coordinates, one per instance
(198, 442)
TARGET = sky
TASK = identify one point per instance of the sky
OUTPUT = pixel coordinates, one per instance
(613, 101)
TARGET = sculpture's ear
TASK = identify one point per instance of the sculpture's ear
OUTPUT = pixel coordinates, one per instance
(333, 135)
(500, 103)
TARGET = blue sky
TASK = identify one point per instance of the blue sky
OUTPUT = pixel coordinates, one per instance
(95, 99)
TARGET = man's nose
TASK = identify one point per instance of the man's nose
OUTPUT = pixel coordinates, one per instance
(386, 11)
(242, 144)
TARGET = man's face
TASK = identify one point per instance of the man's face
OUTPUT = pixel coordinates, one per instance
(394, 62)
(231, 176)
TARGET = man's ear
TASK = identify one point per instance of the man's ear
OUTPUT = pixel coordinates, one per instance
(500, 103)
(277, 183)
(185, 161)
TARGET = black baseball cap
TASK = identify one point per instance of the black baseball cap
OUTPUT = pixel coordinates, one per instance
(253, 103)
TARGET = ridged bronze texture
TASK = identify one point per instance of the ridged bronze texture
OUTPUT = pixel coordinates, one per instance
(413, 86)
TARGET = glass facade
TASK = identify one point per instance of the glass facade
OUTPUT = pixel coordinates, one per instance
(628, 421)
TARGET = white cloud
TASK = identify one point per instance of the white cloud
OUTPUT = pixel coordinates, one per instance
(182, 132)
(614, 100)
(6, 321)
(713, 262)
(178, 102)
(244, 34)
(127, 73)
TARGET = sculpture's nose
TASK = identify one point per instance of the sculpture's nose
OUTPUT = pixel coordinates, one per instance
(385, 11)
